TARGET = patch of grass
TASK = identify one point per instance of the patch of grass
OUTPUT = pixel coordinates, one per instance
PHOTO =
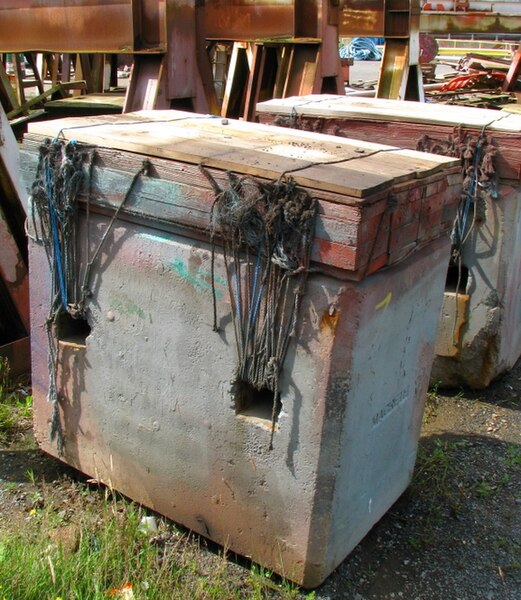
(435, 466)
(484, 489)
(101, 552)
(15, 406)
(439, 480)
(432, 402)
(88, 545)
(513, 457)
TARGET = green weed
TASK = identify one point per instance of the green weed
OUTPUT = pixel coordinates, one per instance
(435, 466)
(15, 406)
(31, 477)
(484, 489)
(513, 458)
(100, 551)
(438, 480)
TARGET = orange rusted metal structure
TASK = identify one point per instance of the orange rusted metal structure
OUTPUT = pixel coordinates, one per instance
(366, 18)
(82, 26)
(168, 39)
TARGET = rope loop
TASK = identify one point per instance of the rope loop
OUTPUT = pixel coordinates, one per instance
(477, 155)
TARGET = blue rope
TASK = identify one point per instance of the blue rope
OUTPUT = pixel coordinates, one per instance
(469, 199)
(362, 49)
(255, 297)
(237, 295)
(55, 239)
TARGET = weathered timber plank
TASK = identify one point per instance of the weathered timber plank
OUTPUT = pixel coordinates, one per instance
(245, 148)
(508, 157)
(332, 106)
(373, 198)
(172, 203)
(389, 122)
(346, 237)
(350, 183)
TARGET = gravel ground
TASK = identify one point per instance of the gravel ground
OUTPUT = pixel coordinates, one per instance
(456, 532)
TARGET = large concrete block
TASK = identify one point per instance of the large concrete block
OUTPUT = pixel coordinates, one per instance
(148, 409)
(479, 337)
(147, 401)
(489, 342)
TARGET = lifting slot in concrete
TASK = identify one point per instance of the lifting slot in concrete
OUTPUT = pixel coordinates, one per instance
(457, 279)
(72, 331)
(251, 402)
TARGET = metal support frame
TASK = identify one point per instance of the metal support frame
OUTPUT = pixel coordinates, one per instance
(513, 72)
(168, 40)
(400, 74)
(14, 281)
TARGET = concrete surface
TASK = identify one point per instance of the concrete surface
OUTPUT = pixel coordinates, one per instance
(146, 387)
(480, 334)
(147, 405)
(489, 343)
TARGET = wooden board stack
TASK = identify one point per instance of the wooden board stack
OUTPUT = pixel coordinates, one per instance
(378, 204)
(401, 124)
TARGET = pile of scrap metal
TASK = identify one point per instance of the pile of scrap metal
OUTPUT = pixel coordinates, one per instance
(482, 81)
(14, 285)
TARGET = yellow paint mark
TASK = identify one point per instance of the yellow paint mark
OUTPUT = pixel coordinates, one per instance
(385, 301)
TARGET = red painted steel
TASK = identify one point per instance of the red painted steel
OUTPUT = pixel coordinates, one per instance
(469, 22)
(513, 72)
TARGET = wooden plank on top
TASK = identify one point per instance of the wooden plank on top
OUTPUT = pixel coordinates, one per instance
(266, 137)
(325, 177)
(337, 178)
(115, 101)
(53, 128)
(333, 106)
(286, 142)
(249, 148)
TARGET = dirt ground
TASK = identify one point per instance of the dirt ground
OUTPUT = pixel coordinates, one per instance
(454, 535)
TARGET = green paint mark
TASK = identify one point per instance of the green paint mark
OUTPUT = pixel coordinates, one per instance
(126, 307)
(201, 279)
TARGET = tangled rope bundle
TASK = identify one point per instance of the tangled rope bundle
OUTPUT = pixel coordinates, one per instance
(267, 231)
(64, 168)
(59, 179)
(479, 172)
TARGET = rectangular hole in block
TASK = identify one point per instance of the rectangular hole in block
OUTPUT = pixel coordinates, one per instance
(72, 331)
(457, 279)
(254, 403)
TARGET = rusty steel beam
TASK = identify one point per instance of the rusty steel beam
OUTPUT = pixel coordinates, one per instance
(361, 18)
(109, 26)
(243, 20)
(367, 18)
(469, 22)
(18, 353)
(247, 20)
(513, 73)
